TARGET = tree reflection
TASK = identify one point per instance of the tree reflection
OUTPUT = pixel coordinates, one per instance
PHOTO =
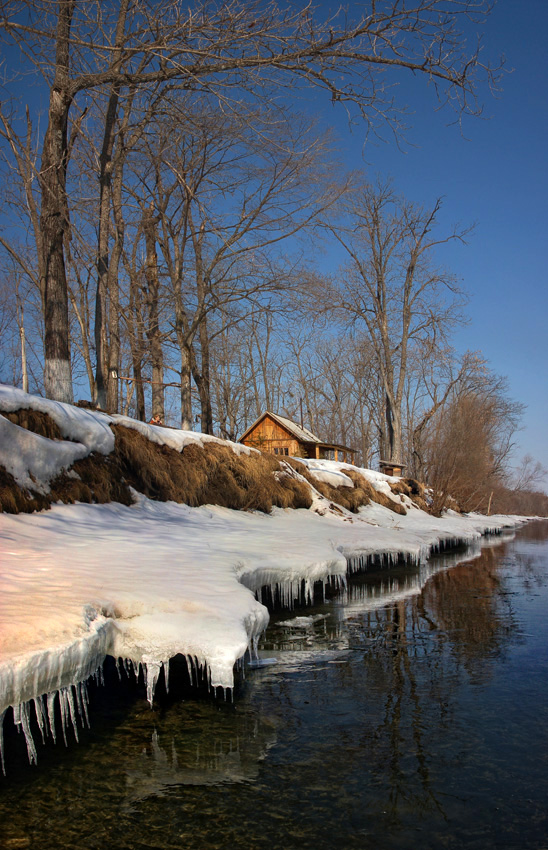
(411, 663)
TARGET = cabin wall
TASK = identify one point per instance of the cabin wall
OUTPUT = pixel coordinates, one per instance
(269, 436)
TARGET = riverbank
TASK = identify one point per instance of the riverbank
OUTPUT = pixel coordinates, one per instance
(150, 580)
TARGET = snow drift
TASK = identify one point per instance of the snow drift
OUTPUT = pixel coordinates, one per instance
(150, 580)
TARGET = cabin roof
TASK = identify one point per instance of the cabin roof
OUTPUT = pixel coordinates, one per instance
(397, 463)
(301, 434)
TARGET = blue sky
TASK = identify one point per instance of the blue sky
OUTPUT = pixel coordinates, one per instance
(493, 173)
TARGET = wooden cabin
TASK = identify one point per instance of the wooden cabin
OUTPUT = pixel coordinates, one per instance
(391, 468)
(280, 436)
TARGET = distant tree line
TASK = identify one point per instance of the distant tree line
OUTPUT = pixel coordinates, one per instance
(162, 202)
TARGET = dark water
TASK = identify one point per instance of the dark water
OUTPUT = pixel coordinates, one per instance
(398, 718)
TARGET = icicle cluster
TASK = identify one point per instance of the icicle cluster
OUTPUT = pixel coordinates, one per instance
(287, 594)
(60, 675)
(71, 705)
(362, 562)
(198, 673)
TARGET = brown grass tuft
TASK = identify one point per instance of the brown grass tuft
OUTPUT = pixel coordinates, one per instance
(375, 495)
(36, 421)
(413, 489)
(208, 474)
(15, 500)
(351, 498)
(99, 480)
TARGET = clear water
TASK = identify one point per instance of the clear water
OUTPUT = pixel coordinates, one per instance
(410, 713)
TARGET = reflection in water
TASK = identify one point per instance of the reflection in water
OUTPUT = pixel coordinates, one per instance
(412, 711)
(232, 755)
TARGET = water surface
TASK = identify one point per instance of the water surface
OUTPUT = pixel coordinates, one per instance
(410, 712)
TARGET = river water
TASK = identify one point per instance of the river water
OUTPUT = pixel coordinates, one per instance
(409, 712)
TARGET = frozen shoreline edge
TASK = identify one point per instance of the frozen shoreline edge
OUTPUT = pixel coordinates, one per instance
(65, 682)
(148, 581)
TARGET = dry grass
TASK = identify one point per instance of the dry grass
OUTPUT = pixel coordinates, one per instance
(201, 474)
(351, 498)
(99, 480)
(15, 500)
(34, 420)
(209, 474)
(413, 489)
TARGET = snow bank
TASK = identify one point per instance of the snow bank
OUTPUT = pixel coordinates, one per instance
(31, 459)
(174, 438)
(327, 472)
(34, 461)
(333, 472)
(156, 579)
(89, 427)
(150, 581)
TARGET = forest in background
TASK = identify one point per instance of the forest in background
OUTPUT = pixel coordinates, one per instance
(170, 214)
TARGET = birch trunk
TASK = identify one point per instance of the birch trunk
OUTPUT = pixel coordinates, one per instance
(54, 219)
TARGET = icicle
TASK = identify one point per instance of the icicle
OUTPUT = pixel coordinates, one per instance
(50, 700)
(79, 706)
(166, 675)
(151, 671)
(40, 716)
(72, 710)
(189, 668)
(64, 713)
(25, 725)
(99, 676)
(135, 666)
(84, 699)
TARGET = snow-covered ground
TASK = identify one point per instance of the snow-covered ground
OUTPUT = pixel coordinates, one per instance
(146, 582)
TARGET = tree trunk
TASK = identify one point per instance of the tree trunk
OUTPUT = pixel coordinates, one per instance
(54, 219)
(153, 309)
(114, 347)
(203, 381)
(136, 344)
(107, 388)
(186, 398)
(114, 296)
(393, 432)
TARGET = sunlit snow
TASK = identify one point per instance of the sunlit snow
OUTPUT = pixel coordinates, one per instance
(147, 582)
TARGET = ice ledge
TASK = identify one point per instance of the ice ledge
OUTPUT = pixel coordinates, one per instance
(159, 579)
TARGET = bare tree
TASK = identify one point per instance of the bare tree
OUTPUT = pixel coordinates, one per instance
(392, 289)
(226, 199)
(469, 446)
(435, 373)
(80, 48)
(529, 474)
